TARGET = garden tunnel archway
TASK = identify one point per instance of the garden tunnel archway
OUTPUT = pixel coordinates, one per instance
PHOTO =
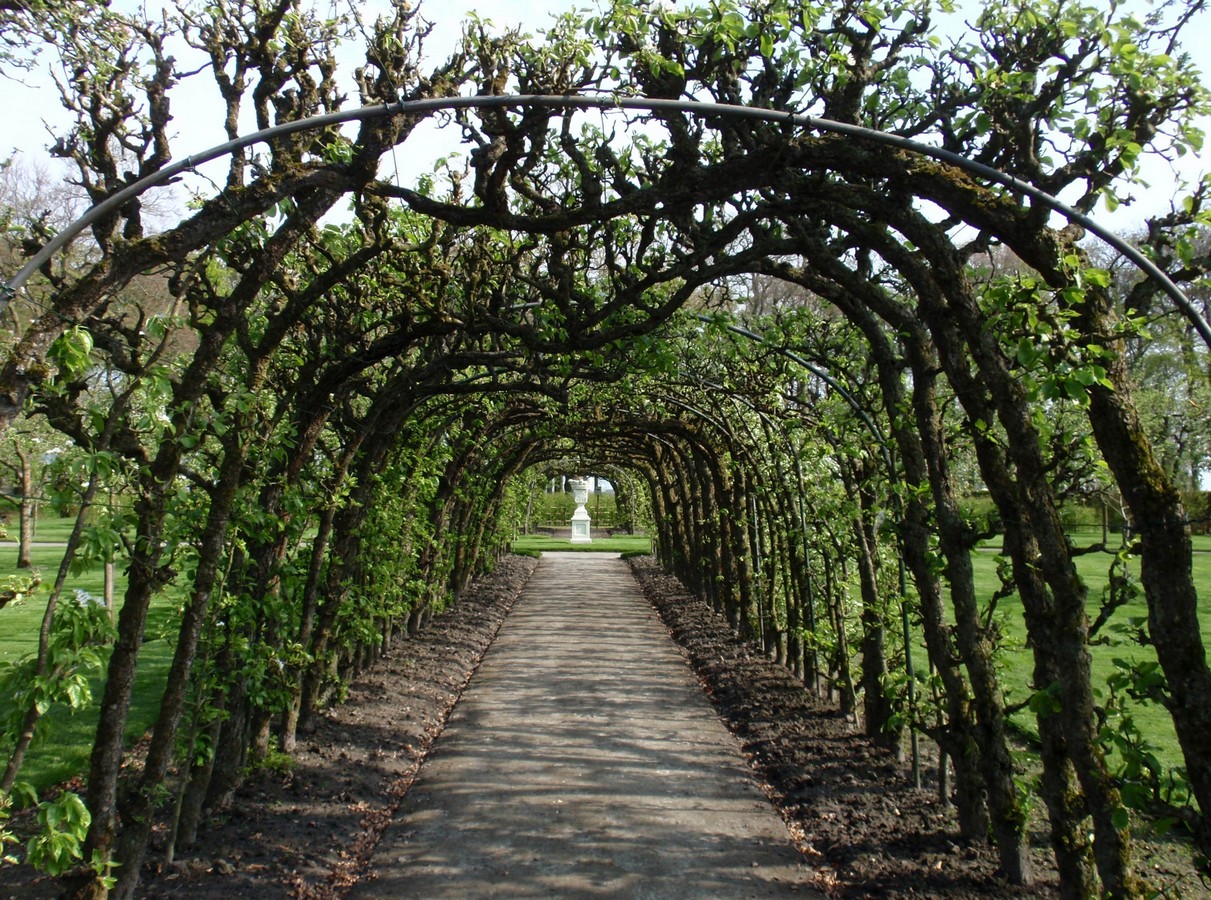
(503, 353)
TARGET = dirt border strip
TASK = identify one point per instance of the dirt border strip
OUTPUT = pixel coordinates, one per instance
(849, 805)
(354, 864)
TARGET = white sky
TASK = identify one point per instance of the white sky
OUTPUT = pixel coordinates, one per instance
(31, 107)
(34, 104)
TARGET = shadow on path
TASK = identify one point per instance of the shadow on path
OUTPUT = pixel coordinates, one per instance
(584, 760)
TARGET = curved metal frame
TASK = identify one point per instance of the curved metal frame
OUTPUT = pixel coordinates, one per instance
(606, 103)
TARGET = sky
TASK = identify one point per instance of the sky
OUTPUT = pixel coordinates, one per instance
(33, 111)
(32, 104)
(31, 107)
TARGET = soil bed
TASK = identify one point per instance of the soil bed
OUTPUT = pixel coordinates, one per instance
(309, 832)
(851, 805)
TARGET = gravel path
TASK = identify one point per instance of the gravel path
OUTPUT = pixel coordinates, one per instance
(584, 759)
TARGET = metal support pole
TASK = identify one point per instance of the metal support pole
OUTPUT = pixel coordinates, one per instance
(605, 103)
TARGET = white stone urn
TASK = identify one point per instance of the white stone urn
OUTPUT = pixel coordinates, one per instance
(580, 518)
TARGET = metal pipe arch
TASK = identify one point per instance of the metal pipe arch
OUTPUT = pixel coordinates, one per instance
(607, 103)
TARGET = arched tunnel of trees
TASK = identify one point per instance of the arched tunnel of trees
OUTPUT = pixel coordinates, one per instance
(305, 409)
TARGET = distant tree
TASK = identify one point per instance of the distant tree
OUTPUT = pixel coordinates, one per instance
(26, 452)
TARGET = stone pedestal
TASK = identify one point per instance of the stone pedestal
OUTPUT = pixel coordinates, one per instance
(580, 518)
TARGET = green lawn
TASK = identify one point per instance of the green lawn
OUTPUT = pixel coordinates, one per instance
(66, 738)
(19, 623)
(1017, 661)
(626, 543)
(47, 530)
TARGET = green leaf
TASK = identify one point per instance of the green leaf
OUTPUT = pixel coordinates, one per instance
(72, 351)
(1164, 825)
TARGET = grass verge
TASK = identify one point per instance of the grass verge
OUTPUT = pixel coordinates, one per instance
(627, 543)
(1114, 641)
(65, 738)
